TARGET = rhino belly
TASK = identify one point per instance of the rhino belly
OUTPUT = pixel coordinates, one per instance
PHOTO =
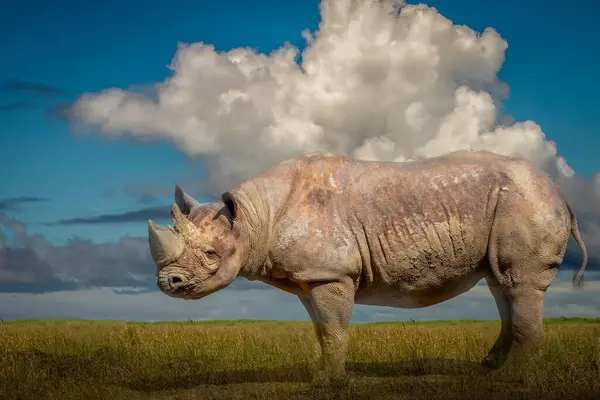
(427, 266)
(419, 293)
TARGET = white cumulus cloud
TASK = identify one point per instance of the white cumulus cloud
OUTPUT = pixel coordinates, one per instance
(373, 83)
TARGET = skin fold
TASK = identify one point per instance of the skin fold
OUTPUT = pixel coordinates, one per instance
(335, 232)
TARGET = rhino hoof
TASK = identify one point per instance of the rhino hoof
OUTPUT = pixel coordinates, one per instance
(322, 379)
(492, 362)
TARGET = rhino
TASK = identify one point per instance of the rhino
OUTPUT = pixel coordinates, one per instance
(337, 231)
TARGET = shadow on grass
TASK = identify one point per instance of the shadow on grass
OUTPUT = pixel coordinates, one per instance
(299, 373)
(419, 367)
(110, 367)
(302, 373)
(431, 377)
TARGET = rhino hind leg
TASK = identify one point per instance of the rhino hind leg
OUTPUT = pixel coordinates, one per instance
(527, 320)
(522, 331)
(525, 251)
(501, 348)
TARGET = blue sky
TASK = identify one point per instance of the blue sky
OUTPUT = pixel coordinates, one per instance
(52, 54)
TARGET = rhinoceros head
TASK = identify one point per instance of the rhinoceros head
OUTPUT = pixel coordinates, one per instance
(202, 252)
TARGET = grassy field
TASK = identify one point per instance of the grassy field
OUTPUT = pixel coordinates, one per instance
(266, 359)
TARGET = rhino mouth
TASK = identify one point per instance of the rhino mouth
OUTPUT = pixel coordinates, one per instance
(173, 284)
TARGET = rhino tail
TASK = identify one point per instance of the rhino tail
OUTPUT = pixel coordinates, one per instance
(578, 276)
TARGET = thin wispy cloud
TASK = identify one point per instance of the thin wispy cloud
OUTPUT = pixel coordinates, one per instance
(139, 215)
(15, 106)
(17, 86)
(13, 203)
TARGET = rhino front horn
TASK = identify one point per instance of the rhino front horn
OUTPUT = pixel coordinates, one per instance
(165, 245)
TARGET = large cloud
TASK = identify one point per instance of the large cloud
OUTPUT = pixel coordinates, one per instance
(373, 83)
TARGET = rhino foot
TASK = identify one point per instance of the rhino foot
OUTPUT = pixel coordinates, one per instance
(493, 361)
(322, 379)
(490, 363)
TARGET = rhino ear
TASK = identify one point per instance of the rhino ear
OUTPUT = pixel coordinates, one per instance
(230, 203)
(184, 201)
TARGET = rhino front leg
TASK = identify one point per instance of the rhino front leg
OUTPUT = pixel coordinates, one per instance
(332, 304)
(306, 302)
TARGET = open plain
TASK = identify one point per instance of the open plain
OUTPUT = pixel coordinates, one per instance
(272, 359)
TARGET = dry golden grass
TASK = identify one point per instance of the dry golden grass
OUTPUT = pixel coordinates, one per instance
(112, 360)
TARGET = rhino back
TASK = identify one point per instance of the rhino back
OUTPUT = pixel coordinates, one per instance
(343, 215)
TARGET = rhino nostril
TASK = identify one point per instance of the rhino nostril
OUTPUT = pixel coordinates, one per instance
(175, 280)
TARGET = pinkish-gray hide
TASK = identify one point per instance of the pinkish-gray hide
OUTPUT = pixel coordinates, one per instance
(337, 232)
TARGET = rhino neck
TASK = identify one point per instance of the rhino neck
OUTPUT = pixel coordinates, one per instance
(257, 225)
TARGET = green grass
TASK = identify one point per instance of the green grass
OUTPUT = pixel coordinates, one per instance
(62, 359)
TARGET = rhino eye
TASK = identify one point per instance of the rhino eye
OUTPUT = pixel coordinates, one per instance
(211, 254)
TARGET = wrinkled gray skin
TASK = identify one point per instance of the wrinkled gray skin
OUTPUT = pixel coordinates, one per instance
(337, 232)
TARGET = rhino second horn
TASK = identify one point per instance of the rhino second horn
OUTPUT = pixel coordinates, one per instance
(165, 246)
(185, 202)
